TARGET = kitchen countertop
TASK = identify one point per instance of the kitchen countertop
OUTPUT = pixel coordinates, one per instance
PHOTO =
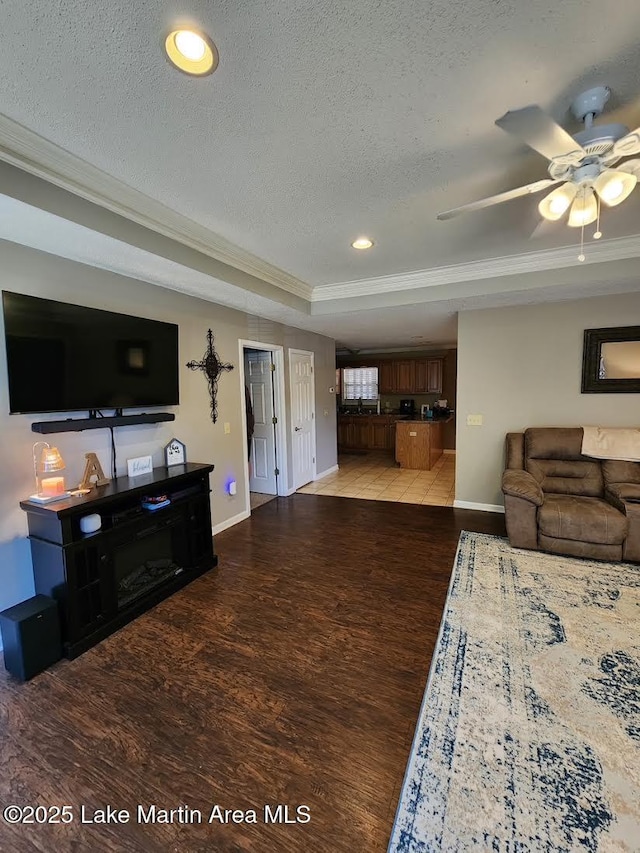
(428, 420)
(407, 419)
(371, 415)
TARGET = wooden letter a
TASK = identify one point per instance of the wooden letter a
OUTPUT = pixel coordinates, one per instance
(93, 468)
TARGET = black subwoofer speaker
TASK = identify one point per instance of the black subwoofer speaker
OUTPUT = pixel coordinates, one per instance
(31, 636)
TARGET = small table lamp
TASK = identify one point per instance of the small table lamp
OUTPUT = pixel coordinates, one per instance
(46, 460)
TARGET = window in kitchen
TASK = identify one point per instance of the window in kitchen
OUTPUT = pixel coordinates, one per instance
(360, 383)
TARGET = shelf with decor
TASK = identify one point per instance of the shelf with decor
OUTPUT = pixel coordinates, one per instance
(131, 558)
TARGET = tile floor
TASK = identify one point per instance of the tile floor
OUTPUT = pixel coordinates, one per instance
(375, 476)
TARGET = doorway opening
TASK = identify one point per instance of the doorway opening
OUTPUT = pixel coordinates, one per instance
(261, 375)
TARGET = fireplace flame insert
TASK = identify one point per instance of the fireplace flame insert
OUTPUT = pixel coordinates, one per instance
(159, 552)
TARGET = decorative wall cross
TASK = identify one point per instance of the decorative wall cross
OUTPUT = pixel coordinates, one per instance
(212, 368)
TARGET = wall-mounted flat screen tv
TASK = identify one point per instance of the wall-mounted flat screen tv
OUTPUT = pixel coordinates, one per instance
(63, 357)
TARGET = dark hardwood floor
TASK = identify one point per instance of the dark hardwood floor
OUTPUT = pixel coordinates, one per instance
(293, 674)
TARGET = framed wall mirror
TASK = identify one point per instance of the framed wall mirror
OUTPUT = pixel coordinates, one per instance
(611, 361)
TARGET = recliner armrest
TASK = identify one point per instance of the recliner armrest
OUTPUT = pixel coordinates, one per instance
(626, 498)
(625, 491)
(521, 484)
(619, 494)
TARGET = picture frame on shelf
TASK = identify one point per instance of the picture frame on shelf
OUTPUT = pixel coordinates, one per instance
(139, 466)
(175, 453)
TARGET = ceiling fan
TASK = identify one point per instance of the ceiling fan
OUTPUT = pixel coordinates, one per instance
(581, 164)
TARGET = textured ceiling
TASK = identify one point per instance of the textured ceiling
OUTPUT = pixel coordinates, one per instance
(327, 119)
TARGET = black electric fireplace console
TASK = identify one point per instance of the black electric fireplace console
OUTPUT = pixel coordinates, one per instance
(137, 557)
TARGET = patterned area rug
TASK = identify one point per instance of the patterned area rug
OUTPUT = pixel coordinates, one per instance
(529, 733)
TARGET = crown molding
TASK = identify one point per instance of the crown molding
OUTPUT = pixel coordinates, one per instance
(530, 262)
(427, 350)
(30, 152)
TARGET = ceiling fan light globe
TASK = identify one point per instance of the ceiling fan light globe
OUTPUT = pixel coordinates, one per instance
(559, 205)
(614, 186)
(613, 190)
(584, 209)
(556, 204)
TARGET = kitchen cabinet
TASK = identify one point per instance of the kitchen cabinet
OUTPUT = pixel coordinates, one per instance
(391, 436)
(361, 431)
(367, 432)
(343, 432)
(434, 375)
(379, 433)
(429, 376)
(346, 432)
(406, 376)
(354, 432)
(386, 377)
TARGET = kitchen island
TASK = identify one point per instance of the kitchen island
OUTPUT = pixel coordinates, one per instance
(419, 443)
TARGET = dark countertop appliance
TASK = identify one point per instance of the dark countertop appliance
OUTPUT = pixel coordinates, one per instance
(407, 407)
(441, 413)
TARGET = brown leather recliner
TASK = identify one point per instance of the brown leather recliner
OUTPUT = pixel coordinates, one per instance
(558, 500)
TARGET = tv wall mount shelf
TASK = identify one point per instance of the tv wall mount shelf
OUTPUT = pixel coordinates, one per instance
(81, 424)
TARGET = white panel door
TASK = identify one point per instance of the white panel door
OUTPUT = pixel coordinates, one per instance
(302, 417)
(262, 464)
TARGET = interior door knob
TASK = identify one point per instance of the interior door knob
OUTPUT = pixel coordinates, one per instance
(297, 429)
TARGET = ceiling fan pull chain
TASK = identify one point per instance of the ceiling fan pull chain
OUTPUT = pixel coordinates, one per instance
(581, 255)
(597, 234)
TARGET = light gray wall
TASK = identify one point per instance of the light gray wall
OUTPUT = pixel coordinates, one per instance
(522, 367)
(32, 272)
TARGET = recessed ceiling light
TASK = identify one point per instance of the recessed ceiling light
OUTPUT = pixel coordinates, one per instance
(362, 243)
(192, 52)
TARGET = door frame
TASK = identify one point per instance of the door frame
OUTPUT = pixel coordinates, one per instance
(294, 351)
(277, 353)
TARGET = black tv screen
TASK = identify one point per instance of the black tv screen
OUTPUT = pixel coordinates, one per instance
(64, 357)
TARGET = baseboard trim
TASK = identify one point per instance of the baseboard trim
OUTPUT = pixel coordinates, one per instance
(481, 507)
(235, 519)
(449, 451)
(289, 492)
(333, 470)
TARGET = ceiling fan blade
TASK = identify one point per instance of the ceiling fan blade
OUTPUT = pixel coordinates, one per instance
(540, 132)
(498, 199)
(631, 166)
(628, 145)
